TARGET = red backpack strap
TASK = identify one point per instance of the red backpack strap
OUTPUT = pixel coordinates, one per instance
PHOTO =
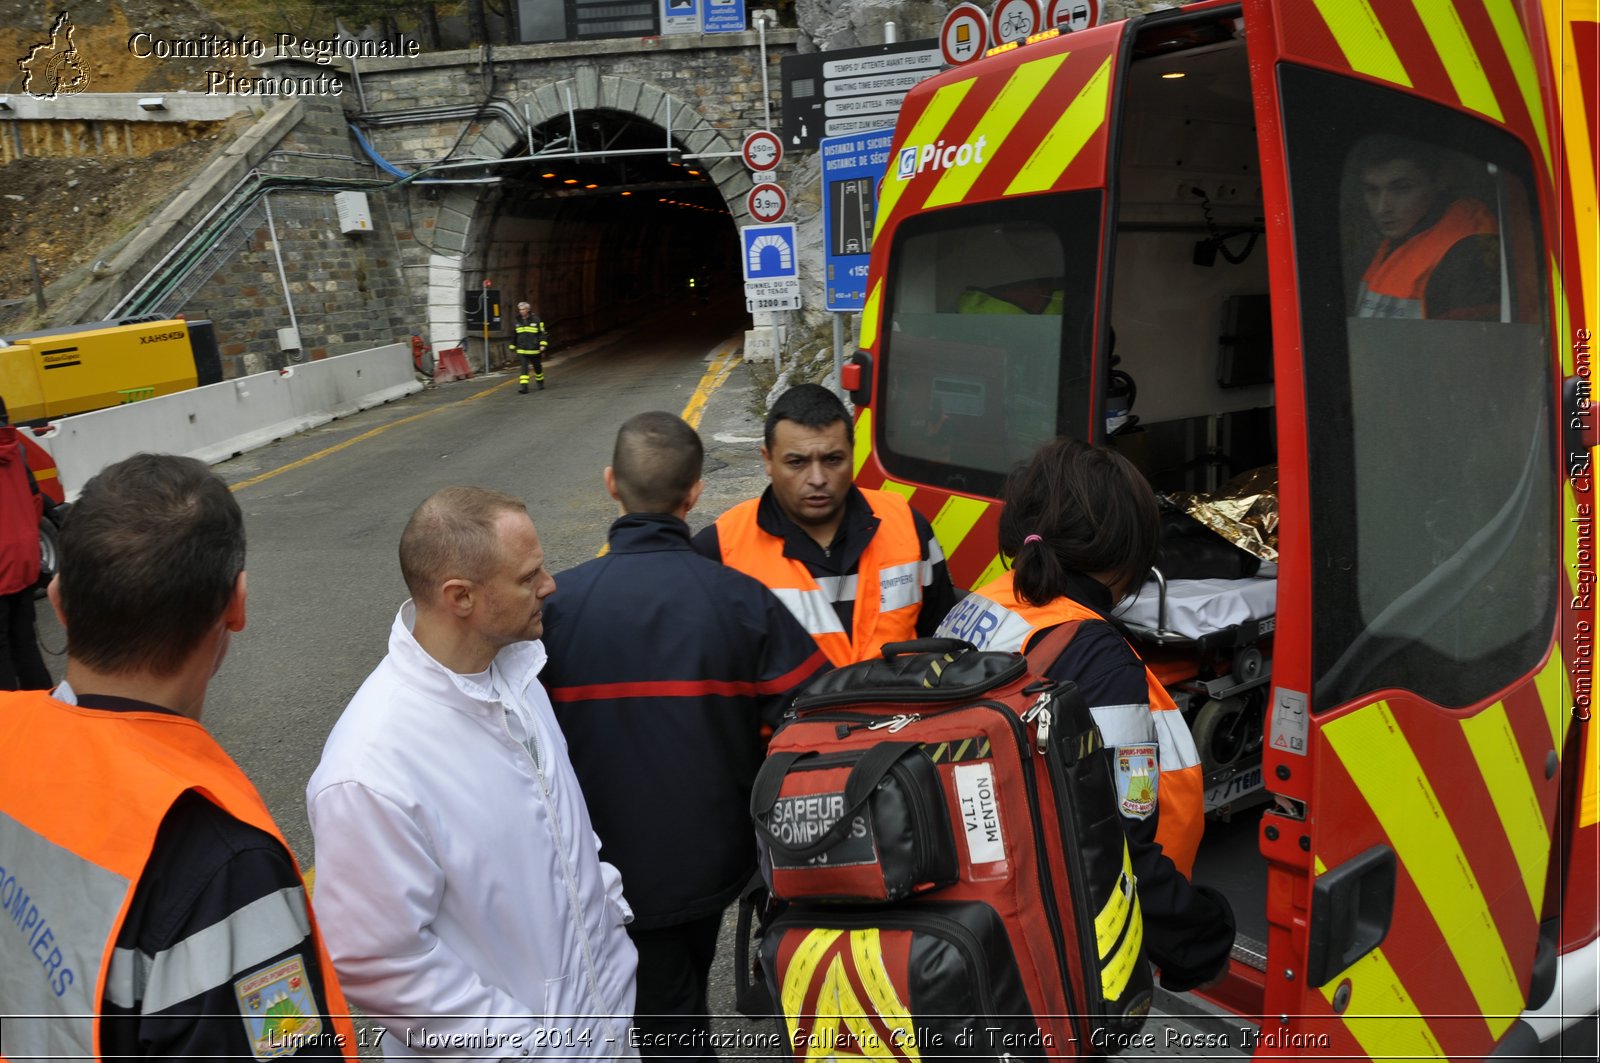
(1044, 652)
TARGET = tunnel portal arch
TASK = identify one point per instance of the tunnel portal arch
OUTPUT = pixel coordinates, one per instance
(629, 195)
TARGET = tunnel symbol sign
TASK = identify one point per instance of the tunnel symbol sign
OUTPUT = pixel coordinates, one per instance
(769, 252)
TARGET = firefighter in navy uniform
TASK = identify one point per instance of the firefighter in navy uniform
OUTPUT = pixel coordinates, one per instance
(158, 911)
(528, 341)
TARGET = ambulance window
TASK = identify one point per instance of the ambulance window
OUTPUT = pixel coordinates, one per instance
(986, 351)
(1428, 374)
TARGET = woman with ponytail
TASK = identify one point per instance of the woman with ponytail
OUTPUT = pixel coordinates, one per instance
(1081, 526)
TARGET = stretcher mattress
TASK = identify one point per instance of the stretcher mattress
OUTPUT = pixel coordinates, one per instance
(1198, 607)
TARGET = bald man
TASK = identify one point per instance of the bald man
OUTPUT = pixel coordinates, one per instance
(456, 862)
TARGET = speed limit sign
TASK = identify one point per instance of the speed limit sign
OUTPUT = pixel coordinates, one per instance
(766, 202)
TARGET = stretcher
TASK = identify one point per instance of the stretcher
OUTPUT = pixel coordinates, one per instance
(1209, 642)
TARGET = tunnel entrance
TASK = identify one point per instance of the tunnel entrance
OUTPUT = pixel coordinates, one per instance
(611, 223)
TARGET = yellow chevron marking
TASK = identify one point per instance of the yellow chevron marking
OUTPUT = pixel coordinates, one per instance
(1551, 682)
(1589, 810)
(990, 573)
(1021, 91)
(802, 970)
(1508, 27)
(1577, 123)
(1115, 974)
(955, 520)
(1108, 923)
(924, 131)
(1363, 40)
(866, 948)
(863, 439)
(1382, 1017)
(895, 487)
(1505, 773)
(1385, 769)
(1459, 58)
(869, 315)
(1083, 116)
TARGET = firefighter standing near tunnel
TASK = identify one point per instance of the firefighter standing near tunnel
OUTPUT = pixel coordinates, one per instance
(528, 341)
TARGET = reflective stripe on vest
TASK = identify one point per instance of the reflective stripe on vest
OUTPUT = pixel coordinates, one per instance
(1396, 284)
(993, 618)
(886, 587)
(82, 796)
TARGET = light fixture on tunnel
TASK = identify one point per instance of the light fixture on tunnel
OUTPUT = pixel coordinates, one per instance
(547, 175)
(695, 172)
(1173, 75)
(591, 186)
(570, 181)
(627, 193)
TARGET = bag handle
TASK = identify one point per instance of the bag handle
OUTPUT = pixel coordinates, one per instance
(751, 996)
(892, 650)
(864, 778)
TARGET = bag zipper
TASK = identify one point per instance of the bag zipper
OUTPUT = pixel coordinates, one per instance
(920, 695)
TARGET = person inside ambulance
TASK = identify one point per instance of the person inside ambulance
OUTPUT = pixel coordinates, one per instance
(1439, 253)
(1082, 528)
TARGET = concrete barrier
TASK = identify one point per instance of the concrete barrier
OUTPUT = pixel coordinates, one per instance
(216, 422)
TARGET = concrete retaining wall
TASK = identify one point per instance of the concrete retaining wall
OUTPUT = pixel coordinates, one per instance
(216, 422)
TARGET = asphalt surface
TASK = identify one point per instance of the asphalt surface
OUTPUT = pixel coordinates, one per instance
(324, 511)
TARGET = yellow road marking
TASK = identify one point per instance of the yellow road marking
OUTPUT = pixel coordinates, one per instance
(716, 375)
(364, 436)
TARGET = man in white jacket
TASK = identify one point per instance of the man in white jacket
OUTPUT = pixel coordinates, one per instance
(458, 878)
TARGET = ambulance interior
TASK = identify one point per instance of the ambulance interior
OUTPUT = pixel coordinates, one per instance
(1189, 399)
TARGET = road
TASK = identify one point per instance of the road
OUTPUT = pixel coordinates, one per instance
(324, 512)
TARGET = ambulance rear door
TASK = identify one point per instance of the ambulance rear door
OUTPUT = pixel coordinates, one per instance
(1420, 697)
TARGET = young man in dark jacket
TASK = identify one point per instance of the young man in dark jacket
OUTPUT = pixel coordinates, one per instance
(663, 666)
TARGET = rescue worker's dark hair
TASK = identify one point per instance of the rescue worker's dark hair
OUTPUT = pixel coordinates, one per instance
(149, 559)
(1092, 512)
(807, 405)
(656, 462)
(451, 536)
(1375, 149)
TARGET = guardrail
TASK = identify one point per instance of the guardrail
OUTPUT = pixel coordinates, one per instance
(218, 421)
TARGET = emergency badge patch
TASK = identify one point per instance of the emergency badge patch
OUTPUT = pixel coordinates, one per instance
(280, 1016)
(1138, 772)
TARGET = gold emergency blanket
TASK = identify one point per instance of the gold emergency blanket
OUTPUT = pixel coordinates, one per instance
(1244, 511)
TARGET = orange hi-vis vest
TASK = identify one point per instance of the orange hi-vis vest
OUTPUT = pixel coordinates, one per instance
(994, 618)
(82, 795)
(887, 583)
(1396, 281)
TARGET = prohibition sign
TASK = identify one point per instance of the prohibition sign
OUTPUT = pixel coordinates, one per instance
(762, 150)
(965, 35)
(766, 202)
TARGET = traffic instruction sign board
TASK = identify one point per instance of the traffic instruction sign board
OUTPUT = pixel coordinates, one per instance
(771, 267)
(852, 166)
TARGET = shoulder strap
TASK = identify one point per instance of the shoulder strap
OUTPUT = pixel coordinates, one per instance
(1044, 652)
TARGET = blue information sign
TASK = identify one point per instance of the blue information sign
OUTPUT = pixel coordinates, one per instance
(852, 166)
(722, 16)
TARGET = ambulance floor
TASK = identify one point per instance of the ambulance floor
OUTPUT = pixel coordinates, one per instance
(1230, 861)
